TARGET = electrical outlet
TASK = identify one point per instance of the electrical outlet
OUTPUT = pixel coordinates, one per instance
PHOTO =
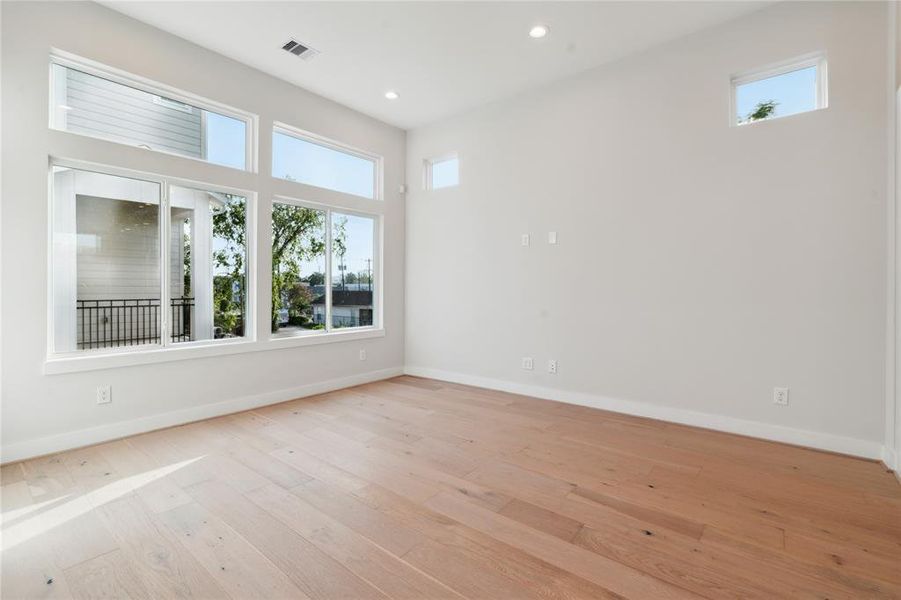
(527, 363)
(525, 239)
(552, 366)
(363, 354)
(780, 396)
(104, 394)
(551, 237)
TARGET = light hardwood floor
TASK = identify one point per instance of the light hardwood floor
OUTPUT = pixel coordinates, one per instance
(418, 489)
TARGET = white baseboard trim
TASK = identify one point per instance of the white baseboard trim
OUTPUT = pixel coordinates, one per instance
(776, 433)
(104, 433)
(890, 458)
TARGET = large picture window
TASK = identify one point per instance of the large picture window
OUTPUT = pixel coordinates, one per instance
(125, 273)
(314, 290)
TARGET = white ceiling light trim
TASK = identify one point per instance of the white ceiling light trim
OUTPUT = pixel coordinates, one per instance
(539, 31)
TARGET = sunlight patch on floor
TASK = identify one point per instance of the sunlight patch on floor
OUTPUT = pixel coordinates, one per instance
(54, 517)
(9, 516)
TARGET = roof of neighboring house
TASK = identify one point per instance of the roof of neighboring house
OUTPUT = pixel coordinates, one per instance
(347, 298)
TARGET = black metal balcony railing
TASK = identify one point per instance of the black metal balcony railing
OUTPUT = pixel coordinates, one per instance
(130, 322)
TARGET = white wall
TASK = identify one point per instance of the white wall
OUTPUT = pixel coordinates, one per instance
(897, 421)
(893, 396)
(698, 265)
(42, 413)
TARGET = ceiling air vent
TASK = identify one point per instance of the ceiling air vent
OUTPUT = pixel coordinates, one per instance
(298, 49)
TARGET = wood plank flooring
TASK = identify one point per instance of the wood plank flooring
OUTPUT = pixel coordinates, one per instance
(418, 489)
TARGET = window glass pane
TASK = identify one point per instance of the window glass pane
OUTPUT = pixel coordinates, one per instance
(298, 269)
(445, 173)
(352, 270)
(94, 106)
(208, 264)
(296, 159)
(105, 262)
(779, 96)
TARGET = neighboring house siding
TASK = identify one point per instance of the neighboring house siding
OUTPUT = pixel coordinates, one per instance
(118, 259)
(118, 251)
(102, 108)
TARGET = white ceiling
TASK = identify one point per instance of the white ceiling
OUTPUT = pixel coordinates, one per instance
(441, 57)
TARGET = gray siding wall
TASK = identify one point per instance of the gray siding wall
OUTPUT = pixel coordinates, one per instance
(118, 249)
(118, 259)
(110, 110)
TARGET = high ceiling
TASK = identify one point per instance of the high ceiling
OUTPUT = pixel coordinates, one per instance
(441, 57)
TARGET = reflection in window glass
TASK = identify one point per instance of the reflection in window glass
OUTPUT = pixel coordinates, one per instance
(444, 173)
(298, 269)
(296, 159)
(105, 261)
(91, 105)
(352, 272)
(208, 264)
(779, 96)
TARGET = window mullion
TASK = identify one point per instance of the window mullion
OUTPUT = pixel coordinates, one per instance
(328, 270)
(165, 302)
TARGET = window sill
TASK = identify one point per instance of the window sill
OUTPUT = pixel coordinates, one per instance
(314, 338)
(96, 361)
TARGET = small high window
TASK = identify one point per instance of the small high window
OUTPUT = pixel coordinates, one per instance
(442, 172)
(790, 88)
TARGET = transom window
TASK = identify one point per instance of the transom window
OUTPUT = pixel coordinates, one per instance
(790, 88)
(121, 111)
(304, 158)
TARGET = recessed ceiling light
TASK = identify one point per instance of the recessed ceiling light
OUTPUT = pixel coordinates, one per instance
(391, 95)
(538, 31)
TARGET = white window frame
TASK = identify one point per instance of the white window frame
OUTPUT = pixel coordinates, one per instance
(162, 92)
(814, 59)
(329, 330)
(319, 140)
(78, 151)
(429, 163)
(163, 225)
